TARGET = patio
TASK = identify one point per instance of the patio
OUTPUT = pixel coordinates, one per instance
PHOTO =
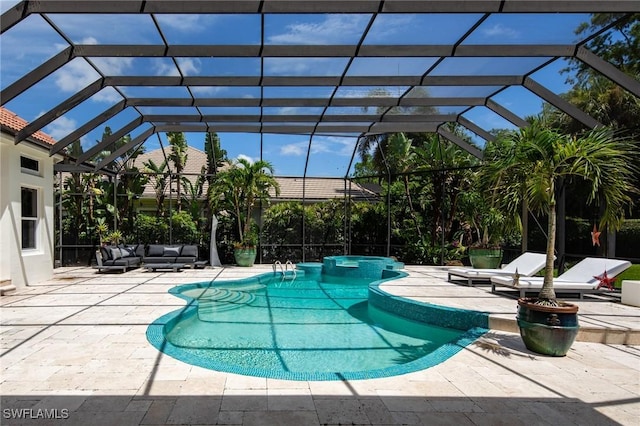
(76, 346)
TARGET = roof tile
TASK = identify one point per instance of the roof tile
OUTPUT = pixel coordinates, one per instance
(11, 121)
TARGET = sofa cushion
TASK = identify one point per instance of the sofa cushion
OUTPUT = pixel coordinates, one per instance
(171, 252)
(189, 251)
(140, 250)
(105, 252)
(155, 250)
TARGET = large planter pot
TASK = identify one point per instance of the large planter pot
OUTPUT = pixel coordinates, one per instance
(245, 256)
(547, 330)
(485, 258)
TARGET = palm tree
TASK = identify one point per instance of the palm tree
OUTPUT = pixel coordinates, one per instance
(158, 177)
(536, 158)
(178, 156)
(240, 188)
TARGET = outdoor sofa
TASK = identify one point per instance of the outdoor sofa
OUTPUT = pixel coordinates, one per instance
(584, 277)
(177, 253)
(527, 264)
(121, 257)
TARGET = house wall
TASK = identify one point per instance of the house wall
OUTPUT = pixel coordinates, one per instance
(25, 267)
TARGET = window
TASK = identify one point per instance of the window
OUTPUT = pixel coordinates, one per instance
(29, 218)
(29, 165)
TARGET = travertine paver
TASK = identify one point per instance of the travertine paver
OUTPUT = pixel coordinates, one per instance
(78, 343)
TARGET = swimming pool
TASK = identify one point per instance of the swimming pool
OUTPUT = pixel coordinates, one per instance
(303, 328)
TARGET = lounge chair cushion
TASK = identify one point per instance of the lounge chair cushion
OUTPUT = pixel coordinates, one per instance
(526, 264)
(580, 277)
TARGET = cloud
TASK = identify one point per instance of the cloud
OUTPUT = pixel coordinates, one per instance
(107, 95)
(294, 149)
(320, 145)
(499, 30)
(335, 29)
(61, 127)
(75, 76)
(304, 66)
(189, 66)
(246, 157)
(182, 23)
(334, 144)
(78, 74)
(207, 90)
(165, 68)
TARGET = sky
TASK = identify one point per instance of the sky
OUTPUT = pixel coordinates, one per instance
(33, 41)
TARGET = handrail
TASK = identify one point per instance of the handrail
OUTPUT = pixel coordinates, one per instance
(275, 266)
(293, 268)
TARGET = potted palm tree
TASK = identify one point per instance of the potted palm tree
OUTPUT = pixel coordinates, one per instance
(528, 169)
(239, 189)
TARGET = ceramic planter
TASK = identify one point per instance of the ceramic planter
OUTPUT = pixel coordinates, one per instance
(485, 258)
(245, 256)
(547, 330)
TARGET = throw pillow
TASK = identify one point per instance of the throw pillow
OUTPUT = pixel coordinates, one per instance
(116, 253)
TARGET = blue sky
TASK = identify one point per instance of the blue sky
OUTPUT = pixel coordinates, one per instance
(32, 42)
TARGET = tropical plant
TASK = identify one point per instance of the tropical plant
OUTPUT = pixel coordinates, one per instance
(160, 179)
(178, 156)
(239, 189)
(535, 159)
(114, 237)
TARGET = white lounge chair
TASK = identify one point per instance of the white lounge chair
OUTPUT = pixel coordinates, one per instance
(526, 264)
(581, 278)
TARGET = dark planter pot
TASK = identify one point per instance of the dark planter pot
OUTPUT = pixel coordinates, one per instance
(485, 258)
(547, 330)
(245, 256)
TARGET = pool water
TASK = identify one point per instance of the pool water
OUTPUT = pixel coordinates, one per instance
(299, 328)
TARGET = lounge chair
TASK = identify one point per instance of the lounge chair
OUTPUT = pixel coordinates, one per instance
(581, 278)
(526, 264)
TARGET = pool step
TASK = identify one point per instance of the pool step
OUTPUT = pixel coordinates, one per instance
(222, 300)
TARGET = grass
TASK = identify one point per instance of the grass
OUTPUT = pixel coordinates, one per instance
(632, 273)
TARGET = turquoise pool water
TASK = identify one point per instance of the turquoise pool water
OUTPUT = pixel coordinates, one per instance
(299, 329)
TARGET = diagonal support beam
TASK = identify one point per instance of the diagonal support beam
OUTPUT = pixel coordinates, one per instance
(124, 148)
(87, 127)
(461, 143)
(605, 68)
(13, 15)
(59, 110)
(109, 140)
(506, 114)
(36, 75)
(476, 129)
(560, 103)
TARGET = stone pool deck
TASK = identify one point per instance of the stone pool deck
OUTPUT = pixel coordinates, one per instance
(75, 348)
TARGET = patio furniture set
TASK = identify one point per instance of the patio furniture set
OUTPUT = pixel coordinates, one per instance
(152, 257)
(587, 276)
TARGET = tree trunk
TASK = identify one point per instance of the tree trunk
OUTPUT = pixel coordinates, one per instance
(547, 291)
(411, 210)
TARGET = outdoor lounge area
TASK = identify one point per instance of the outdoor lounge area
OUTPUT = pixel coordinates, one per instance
(263, 212)
(88, 355)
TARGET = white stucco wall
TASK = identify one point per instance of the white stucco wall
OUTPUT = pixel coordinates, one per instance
(25, 267)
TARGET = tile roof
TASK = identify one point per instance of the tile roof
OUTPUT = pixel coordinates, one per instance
(11, 121)
(317, 189)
